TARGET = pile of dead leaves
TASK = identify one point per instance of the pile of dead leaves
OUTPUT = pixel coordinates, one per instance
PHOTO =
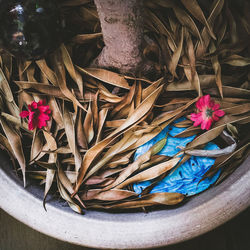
(99, 118)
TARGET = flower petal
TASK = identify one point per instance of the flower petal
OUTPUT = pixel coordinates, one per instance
(208, 124)
(32, 121)
(43, 116)
(198, 120)
(200, 104)
(203, 124)
(32, 124)
(216, 106)
(206, 100)
(219, 113)
(40, 103)
(194, 116)
(41, 123)
(24, 114)
(43, 108)
(215, 118)
(33, 106)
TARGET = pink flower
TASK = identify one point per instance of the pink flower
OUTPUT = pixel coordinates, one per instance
(38, 114)
(209, 112)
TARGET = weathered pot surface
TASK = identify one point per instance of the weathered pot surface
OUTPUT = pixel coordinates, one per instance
(125, 230)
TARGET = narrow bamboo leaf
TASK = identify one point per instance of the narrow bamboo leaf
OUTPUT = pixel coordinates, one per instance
(136, 117)
(49, 181)
(126, 101)
(237, 60)
(80, 135)
(111, 195)
(70, 68)
(102, 117)
(88, 125)
(169, 115)
(6, 91)
(86, 38)
(66, 197)
(187, 21)
(194, 8)
(176, 56)
(206, 38)
(217, 69)
(36, 146)
(60, 73)
(106, 76)
(16, 145)
(43, 88)
(66, 183)
(148, 200)
(130, 169)
(150, 173)
(49, 73)
(70, 133)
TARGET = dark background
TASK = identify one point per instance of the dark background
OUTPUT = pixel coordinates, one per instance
(234, 235)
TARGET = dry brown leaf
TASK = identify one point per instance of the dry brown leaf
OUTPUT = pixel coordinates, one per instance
(70, 133)
(60, 73)
(136, 117)
(126, 100)
(88, 125)
(147, 200)
(164, 117)
(206, 38)
(86, 38)
(188, 22)
(150, 173)
(176, 56)
(16, 145)
(71, 69)
(106, 76)
(217, 69)
(194, 8)
(130, 169)
(80, 135)
(102, 118)
(50, 75)
(110, 195)
(36, 146)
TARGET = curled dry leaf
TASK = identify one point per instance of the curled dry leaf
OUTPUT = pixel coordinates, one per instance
(49, 73)
(106, 76)
(150, 173)
(139, 113)
(16, 145)
(130, 169)
(110, 195)
(194, 8)
(146, 201)
(70, 133)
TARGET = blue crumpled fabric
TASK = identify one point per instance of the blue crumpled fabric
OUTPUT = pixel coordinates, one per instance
(186, 178)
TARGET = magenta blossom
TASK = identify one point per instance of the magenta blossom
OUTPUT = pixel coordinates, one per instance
(209, 112)
(38, 114)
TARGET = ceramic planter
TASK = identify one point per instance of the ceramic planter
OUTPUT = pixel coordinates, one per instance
(198, 215)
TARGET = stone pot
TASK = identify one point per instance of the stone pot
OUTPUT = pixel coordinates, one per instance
(198, 215)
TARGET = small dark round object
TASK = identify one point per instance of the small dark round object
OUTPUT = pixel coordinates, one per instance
(30, 28)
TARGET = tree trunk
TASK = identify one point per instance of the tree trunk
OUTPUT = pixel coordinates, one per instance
(122, 28)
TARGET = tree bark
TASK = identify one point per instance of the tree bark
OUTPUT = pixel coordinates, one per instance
(122, 28)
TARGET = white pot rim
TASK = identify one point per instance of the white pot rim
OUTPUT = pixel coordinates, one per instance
(127, 230)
